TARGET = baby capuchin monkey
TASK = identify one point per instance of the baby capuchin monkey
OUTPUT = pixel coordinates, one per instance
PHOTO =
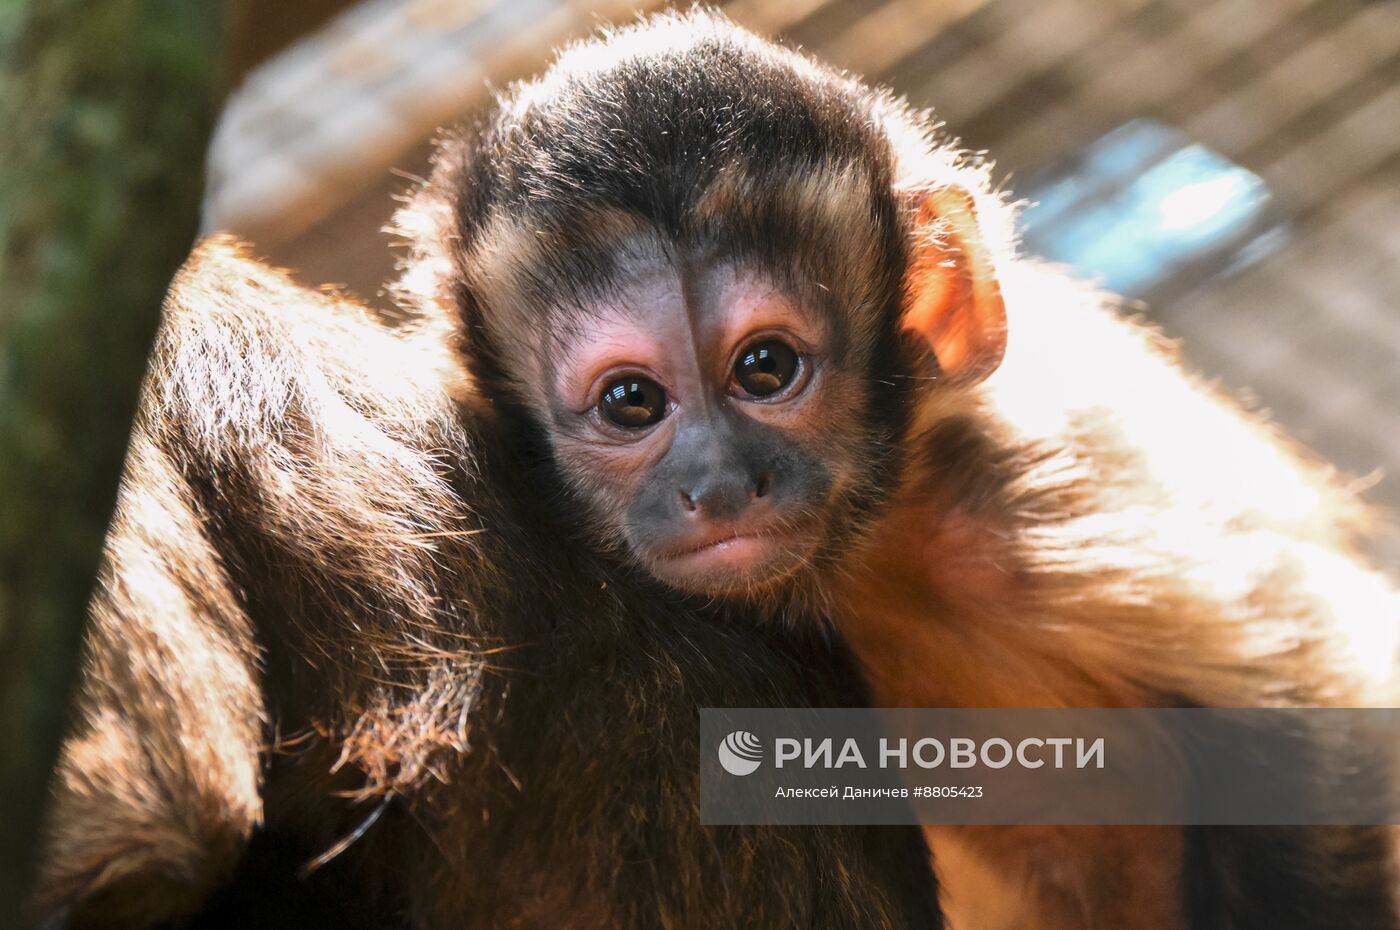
(801, 365)
(711, 350)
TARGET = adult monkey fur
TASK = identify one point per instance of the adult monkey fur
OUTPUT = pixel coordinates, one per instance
(694, 280)
(350, 541)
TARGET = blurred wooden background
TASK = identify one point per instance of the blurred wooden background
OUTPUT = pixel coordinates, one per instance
(1304, 93)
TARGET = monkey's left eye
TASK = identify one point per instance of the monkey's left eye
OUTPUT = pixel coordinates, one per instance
(633, 402)
(766, 367)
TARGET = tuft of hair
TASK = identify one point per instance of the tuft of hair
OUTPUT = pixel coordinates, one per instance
(688, 130)
(281, 498)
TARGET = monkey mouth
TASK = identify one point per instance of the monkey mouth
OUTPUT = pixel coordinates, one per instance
(721, 545)
(731, 558)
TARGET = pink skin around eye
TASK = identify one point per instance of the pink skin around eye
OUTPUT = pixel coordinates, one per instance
(607, 342)
(657, 334)
(753, 306)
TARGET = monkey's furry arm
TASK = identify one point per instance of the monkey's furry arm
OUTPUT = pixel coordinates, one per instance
(158, 785)
(235, 539)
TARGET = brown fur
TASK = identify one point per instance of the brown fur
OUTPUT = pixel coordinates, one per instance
(349, 607)
(1087, 526)
(1092, 527)
(341, 630)
(159, 785)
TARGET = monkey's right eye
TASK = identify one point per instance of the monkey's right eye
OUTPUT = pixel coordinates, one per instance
(633, 402)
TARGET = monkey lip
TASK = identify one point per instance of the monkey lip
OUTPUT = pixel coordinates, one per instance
(719, 559)
(732, 541)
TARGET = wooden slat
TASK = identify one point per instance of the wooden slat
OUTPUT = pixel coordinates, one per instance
(881, 39)
(1325, 164)
(1053, 32)
(960, 42)
(1307, 77)
(340, 107)
(771, 19)
(1146, 72)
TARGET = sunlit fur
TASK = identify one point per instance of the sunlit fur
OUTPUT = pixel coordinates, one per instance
(350, 604)
(1089, 525)
(282, 498)
(344, 628)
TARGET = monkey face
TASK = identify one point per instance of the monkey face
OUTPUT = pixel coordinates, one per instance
(728, 423)
(600, 235)
(710, 422)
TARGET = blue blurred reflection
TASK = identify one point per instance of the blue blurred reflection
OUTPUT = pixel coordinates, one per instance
(1142, 204)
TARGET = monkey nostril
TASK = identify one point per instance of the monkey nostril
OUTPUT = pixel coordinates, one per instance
(687, 501)
(760, 487)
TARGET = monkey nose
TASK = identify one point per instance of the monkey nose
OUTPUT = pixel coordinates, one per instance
(723, 499)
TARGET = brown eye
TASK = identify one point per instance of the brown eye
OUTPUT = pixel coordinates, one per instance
(766, 367)
(633, 402)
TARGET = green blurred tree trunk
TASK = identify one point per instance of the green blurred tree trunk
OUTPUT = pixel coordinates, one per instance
(105, 112)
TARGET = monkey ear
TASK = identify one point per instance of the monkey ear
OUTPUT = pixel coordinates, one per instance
(953, 299)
